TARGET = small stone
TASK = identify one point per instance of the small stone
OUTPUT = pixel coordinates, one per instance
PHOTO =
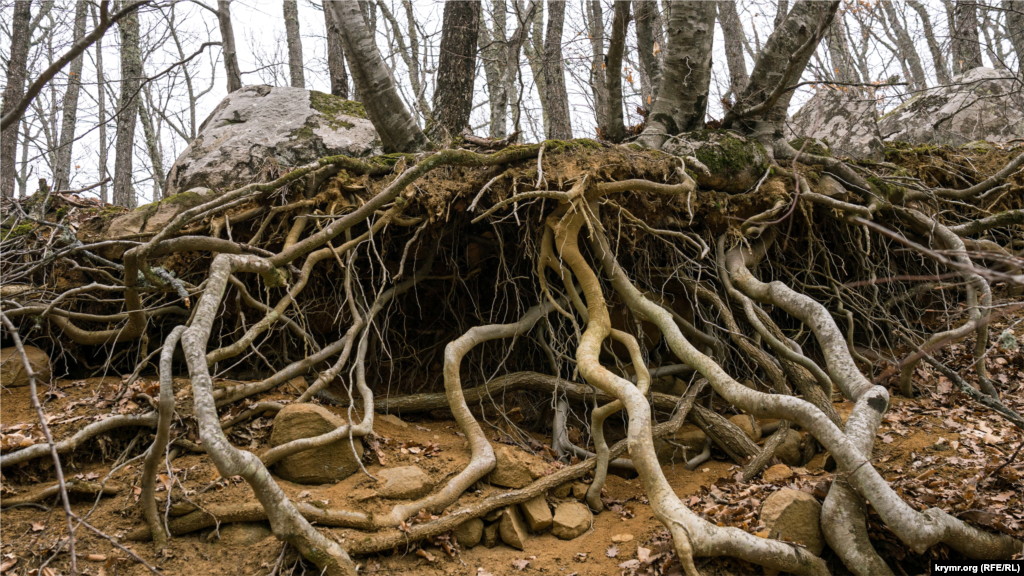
(686, 443)
(571, 520)
(12, 371)
(794, 516)
(619, 538)
(511, 528)
(493, 515)
(469, 533)
(579, 490)
(748, 425)
(791, 449)
(392, 419)
(322, 465)
(777, 473)
(297, 384)
(562, 490)
(514, 468)
(491, 535)
(404, 483)
(536, 513)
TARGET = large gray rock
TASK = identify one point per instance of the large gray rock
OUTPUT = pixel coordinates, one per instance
(794, 516)
(571, 520)
(982, 104)
(404, 482)
(12, 371)
(845, 119)
(512, 530)
(257, 132)
(326, 464)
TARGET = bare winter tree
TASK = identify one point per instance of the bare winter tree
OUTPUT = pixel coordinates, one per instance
(291, 27)
(611, 127)
(966, 45)
(335, 55)
(1015, 28)
(938, 56)
(732, 31)
(127, 111)
(649, 37)
(13, 92)
(62, 170)
(227, 38)
(456, 69)
(556, 99)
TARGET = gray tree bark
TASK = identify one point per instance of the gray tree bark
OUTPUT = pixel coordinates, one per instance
(1015, 28)
(101, 105)
(559, 126)
(456, 69)
(227, 38)
(965, 43)
(493, 46)
(335, 56)
(612, 127)
(683, 98)
(595, 24)
(13, 93)
(732, 32)
(787, 50)
(384, 107)
(513, 49)
(153, 148)
(781, 12)
(839, 50)
(938, 59)
(906, 47)
(291, 28)
(62, 171)
(131, 73)
(648, 30)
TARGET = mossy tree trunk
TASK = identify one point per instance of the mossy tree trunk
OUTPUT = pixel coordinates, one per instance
(456, 69)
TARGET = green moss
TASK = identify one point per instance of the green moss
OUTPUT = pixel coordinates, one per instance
(19, 230)
(560, 146)
(303, 133)
(725, 153)
(887, 190)
(332, 107)
(813, 146)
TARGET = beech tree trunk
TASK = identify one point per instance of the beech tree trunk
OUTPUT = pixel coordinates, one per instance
(456, 69)
(683, 98)
(62, 170)
(153, 148)
(291, 28)
(101, 105)
(1015, 28)
(839, 50)
(595, 15)
(648, 25)
(514, 48)
(335, 56)
(613, 128)
(131, 72)
(732, 32)
(906, 47)
(493, 46)
(789, 48)
(965, 42)
(13, 93)
(559, 125)
(938, 58)
(781, 12)
(227, 38)
(384, 107)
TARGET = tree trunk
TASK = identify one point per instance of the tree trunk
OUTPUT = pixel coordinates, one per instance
(683, 99)
(62, 171)
(456, 69)
(101, 105)
(650, 64)
(613, 128)
(559, 125)
(493, 45)
(1015, 28)
(385, 109)
(595, 14)
(966, 46)
(781, 12)
(131, 72)
(732, 32)
(534, 50)
(515, 46)
(227, 37)
(787, 50)
(153, 147)
(13, 92)
(839, 50)
(291, 28)
(906, 47)
(335, 56)
(938, 59)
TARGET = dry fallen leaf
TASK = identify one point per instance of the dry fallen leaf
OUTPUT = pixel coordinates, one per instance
(612, 551)
(96, 557)
(520, 564)
(38, 527)
(7, 564)
(643, 554)
(425, 555)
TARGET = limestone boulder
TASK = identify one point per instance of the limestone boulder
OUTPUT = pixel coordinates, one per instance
(404, 483)
(571, 520)
(259, 132)
(791, 449)
(749, 426)
(326, 464)
(514, 468)
(12, 370)
(981, 104)
(151, 218)
(469, 533)
(846, 119)
(794, 516)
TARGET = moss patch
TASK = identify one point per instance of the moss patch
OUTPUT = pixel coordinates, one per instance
(332, 107)
(813, 146)
(725, 153)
